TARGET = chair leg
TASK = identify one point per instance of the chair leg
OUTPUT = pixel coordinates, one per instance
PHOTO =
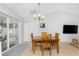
(42, 52)
(33, 47)
(54, 45)
(41, 48)
(50, 51)
(57, 48)
(33, 50)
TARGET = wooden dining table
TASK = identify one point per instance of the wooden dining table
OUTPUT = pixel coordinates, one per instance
(38, 39)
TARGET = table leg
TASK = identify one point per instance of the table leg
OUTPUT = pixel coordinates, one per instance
(33, 46)
(50, 51)
(57, 46)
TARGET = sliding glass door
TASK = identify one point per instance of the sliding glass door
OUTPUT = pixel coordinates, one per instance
(13, 32)
(9, 32)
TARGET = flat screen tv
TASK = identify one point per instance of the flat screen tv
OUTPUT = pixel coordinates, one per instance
(70, 29)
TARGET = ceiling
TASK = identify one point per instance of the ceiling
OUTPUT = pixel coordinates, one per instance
(25, 9)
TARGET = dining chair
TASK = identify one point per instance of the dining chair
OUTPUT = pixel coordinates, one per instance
(35, 43)
(46, 42)
(57, 37)
(32, 36)
(32, 42)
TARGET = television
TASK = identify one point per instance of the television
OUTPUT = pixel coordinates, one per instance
(70, 29)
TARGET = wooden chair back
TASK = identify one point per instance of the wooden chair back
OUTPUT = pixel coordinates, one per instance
(46, 42)
(32, 36)
(45, 36)
(57, 35)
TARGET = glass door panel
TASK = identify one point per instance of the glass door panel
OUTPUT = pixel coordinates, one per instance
(13, 32)
(3, 33)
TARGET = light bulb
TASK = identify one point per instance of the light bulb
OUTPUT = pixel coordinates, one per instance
(34, 16)
(39, 15)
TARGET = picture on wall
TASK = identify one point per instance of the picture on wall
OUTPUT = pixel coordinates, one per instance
(42, 25)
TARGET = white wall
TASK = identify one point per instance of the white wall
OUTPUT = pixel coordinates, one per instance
(57, 16)
(26, 32)
(30, 27)
(54, 23)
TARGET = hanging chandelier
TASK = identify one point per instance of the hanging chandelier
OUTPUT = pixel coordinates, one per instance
(38, 16)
